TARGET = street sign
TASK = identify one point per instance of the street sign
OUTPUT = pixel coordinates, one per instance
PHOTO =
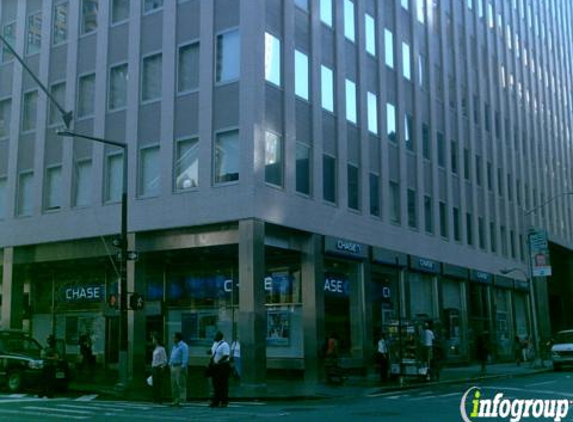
(539, 253)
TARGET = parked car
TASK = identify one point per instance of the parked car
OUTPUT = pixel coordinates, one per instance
(22, 366)
(562, 349)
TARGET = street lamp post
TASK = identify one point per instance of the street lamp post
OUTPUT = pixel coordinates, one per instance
(124, 255)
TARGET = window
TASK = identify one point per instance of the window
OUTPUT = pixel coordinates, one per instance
(53, 188)
(457, 233)
(118, 87)
(329, 178)
(422, 76)
(467, 164)
(60, 23)
(489, 176)
(119, 10)
(34, 34)
(395, 216)
(391, 122)
(426, 142)
(273, 159)
(420, 12)
(228, 56)
(375, 194)
(412, 211)
(499, 182)
(469, 229)
(188, 68)
(114, 177)
(151, 79)
(353, 186)
(58, 91)
(478, 170)
(303, 168)
(3, 197)
(443, 220)
(351, 111)
(82, 183)
(25, 194)
(9, 33)
(441, 149)
(409, 132)
(226, 164)
(301, 75)
(29, 111)
(326, 12)
(454, 156)
(327, 88)
(492, 233)
(389, 48)
(149, 172)
(303, 4)
(372, 103)
(481, 233)
(370, 25)
(349, 30)
(86, 95)
(89, 16)
(428, 214)
(405, 4)
(406, 62)
(272, 59)
(186, 164)
(151, 5)
(5, 116)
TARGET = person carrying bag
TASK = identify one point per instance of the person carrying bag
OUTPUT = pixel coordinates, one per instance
(220, 371)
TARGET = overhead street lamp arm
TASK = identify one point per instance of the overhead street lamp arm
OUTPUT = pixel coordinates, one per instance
(92, 138)
(553, 198)
(67, 116)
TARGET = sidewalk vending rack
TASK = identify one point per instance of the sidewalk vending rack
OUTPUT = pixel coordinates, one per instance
(411, 354)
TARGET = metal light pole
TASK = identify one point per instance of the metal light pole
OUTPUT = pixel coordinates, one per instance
(123, 376)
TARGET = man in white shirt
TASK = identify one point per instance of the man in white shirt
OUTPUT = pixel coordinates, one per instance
(382, 357)
(428, 341)
(220, 352)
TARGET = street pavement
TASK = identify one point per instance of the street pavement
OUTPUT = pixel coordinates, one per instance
(438, 402)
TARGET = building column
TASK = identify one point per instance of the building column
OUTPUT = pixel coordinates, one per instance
(12, 293)
(542, 311)
(252, 312)
(368, 340)
(312, 268)
(135, 320)
(464, 321)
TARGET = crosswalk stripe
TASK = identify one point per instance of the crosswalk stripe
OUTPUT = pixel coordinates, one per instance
(57, 409)
(21, 412)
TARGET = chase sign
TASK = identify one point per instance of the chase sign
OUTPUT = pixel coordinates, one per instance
(83, 293)
(345, 247)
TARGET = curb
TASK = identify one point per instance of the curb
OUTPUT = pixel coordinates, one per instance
(134, 396)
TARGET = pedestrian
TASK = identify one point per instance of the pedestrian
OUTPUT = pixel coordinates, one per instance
(178, 363)
(517, 354)
(86, 352)
(482, 351)
(50, 357)
(438, 356)
(236, 358)
(158, 366)
(331, 358)
(428, 342)
(382, 358)
(220, 353)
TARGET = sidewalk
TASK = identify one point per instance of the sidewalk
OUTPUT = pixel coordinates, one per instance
(287, 389)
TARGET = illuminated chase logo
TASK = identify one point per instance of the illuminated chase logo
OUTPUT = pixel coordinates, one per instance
(512, 409)
(336, 284)
(345, 246)
(84, 293)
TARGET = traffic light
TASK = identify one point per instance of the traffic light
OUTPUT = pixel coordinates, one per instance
(136, 302)
(112, 301)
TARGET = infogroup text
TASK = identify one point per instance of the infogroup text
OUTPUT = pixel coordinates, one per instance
(474, 407)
